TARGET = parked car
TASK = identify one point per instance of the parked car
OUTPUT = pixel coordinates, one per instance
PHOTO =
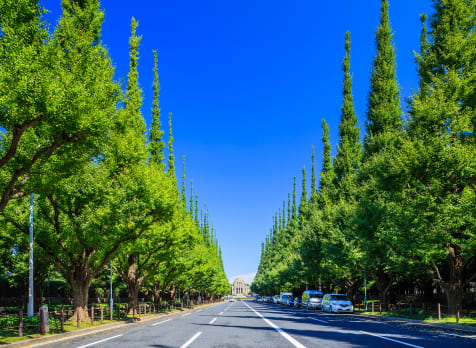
(275, 299)
(256, 297)
(283, 296)
(297, 302)
(269, 299)
(337, 303)
(312, 299)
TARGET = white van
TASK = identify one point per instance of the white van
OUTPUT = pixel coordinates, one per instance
(285, 294)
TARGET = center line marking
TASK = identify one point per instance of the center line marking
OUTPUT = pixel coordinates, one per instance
(391, 339)
(213, 320)
(161, 322)
(186, 344)
(220, 313)
(186, 314)
(293, 341)
(101, 341)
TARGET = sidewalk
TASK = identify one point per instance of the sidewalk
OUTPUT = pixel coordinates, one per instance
(469, 329)
(37, 342)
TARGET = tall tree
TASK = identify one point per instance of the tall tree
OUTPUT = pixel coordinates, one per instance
(156, 142)
(384, 112)
(327, 173)
(57, 94)
(171, 162)
(349, 151)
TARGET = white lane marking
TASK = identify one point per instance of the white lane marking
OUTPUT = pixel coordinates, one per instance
(199, 310)
(220, 313)
(391, 339)
(281, 331)
(451, 334)
(322, 321)
(186, 344)
(101, 341)
(186, 314)
(161, 322)
(213, 320)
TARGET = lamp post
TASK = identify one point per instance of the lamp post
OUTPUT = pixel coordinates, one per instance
(111, 301)
(30, 271)
(365, 291)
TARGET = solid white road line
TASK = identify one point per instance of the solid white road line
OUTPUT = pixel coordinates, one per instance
(451, 334)
(199, 310)
(391, 339)
(322, 321)
(213, 320)
(186, 344)
(186, 314)
(161, 322)
(101, 341)
(294, 342)
(220, 313)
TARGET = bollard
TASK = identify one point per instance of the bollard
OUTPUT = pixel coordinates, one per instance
(118, 312)
(111, 309)
(20, 323)
(62, 318)
(373, 307)
(457, 314)
(411, 309)
(77, 318)
(380, 308)
(423, 310)
(92, 315)
(42, 321)
(102, 314)
(439, 312)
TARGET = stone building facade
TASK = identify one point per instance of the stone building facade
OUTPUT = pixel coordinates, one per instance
(239, 288)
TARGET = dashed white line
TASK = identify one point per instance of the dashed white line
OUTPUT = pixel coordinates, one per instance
(322, 321)
(451, 334)
(213, 320)
(161, 322)
(186, 344)
(220, 313)
(391, 339)
(101, 341)
(293, 341)
(186, 314)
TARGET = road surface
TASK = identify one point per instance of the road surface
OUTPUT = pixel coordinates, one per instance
(249, 324)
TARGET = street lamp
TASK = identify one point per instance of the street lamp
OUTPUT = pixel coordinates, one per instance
(30, 271)
(111, 302)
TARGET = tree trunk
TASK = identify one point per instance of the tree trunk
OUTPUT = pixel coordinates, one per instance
(133, 293)
(453, 287)
(80, 289)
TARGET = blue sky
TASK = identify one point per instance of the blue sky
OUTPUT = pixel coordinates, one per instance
(248, 83)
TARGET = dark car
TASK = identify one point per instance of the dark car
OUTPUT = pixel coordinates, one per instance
(290, 301)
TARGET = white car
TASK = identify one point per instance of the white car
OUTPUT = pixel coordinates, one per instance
(337, 303)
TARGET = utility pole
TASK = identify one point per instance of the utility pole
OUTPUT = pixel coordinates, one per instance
(30, 272)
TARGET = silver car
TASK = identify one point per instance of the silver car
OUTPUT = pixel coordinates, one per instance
(337, 303)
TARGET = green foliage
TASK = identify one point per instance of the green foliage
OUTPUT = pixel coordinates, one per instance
(403, 215)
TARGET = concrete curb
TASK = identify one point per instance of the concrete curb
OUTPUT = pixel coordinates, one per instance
(36, 342)
(470, 329)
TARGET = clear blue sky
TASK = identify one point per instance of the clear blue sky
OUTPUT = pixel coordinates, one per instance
(248, 83)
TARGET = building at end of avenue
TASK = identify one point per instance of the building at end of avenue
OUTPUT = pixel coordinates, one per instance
(240, 289)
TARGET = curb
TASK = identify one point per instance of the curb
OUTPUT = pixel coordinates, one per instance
(35, 342)
(470, 329)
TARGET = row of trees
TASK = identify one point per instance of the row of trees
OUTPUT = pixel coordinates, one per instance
(71, 136)
(401, 208)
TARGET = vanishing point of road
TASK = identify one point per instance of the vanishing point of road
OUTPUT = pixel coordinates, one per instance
(249, 324)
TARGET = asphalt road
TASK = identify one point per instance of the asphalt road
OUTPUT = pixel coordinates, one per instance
(249, 324)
